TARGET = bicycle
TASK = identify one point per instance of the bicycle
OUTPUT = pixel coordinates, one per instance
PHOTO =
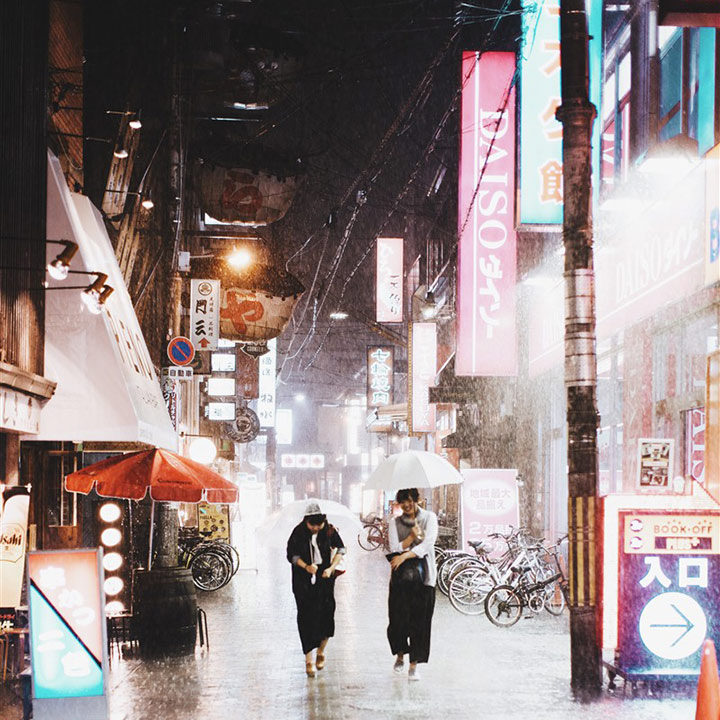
(374, 534)
(212, 563)
(504, 603)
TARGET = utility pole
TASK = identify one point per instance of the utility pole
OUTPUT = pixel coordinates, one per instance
(577, 113)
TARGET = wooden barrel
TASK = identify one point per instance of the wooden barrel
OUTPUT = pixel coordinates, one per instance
(166, 611)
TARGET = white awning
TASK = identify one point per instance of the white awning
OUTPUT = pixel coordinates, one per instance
(107, 388)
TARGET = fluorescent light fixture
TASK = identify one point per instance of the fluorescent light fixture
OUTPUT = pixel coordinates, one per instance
(338, 315)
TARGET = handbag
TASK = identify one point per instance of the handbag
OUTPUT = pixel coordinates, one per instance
(412, 571)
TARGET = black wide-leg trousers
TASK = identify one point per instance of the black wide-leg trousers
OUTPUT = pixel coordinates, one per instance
(410, 610)
(316, 613)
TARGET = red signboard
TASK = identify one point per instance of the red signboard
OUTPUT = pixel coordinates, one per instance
(389, 288)
(487, 254)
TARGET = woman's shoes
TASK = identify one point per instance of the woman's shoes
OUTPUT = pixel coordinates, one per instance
(310, 669)
(320, 661)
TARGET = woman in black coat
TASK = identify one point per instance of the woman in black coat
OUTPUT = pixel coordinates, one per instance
(309, 550)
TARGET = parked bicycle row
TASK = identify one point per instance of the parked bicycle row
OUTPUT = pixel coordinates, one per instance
(213, 563)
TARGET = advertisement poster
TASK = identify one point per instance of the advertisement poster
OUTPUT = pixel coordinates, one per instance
(489, 503)
(14, 503)
(68, 637)
(655, 464)
(669, 575)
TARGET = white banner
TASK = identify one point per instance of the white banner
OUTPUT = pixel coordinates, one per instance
(423, 368)
(389, 288)
(266, 385)
(204, 309)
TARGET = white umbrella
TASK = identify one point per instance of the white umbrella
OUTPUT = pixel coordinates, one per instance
(276, 529)
(413, 469)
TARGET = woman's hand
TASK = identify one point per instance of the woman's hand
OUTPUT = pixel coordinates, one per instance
(312, 569)
(398, 560)
(328, 572)
(416, 532)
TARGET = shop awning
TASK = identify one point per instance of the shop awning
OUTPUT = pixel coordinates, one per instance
(387, 418)
(107, 388)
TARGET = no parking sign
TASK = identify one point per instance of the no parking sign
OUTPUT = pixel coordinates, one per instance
(180, 350)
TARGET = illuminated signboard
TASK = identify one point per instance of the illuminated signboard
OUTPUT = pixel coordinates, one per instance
(541, 182)
(302, 461)
(695, 444)
(223, 362)
(204, 309)
(389, 287)
(489, 503)
(14, 504)
(486, 343)
(669, 582)
(266, 400)
(284, 426)
(221, 386)
(422, 371)
(380, 376)
(220, 411)
(67, 634)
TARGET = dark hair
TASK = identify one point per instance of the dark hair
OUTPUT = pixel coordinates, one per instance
(407, 494)
(317, 519)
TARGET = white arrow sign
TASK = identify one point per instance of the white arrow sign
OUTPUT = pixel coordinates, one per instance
(672, 625)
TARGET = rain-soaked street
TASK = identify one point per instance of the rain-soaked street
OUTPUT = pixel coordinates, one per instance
(255, 669)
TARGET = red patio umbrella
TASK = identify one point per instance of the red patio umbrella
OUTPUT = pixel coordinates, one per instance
(169, 476)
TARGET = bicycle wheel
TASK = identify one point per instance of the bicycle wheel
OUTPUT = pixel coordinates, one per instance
(210, 570)
(554, 599)
(443, 577)
(503, 606)
(370, 537)
(468, 590)
(229, 551)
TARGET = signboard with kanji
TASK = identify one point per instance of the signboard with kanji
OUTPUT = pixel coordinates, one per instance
(669, 589)
(486, 322)
(421, 375)
(389, 285)
(489, 503)
(67, 634)
(204, 309)
(380, 376)
(266, 386)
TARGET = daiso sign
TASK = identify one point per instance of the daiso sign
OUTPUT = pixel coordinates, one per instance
(486, 342)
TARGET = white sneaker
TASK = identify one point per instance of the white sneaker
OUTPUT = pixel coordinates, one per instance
(413, 673)
(399, 666)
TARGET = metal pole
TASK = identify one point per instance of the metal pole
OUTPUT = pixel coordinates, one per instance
(150, 544)
(577, 114)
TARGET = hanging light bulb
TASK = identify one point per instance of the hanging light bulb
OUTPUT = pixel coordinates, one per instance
(148, 204)
(60, 266)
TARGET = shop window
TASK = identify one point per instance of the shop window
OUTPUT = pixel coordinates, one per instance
(615, 139)
(679, 72)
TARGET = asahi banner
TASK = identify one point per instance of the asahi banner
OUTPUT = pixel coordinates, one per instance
(14, 503)
(380, 376)
(204, 309)
(487, 254)
(389, 288)
(422, 371)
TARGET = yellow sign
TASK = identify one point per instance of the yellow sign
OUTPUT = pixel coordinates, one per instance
(672, 534)
(215, 520)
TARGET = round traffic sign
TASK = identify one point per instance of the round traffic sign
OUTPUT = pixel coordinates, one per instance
(180, 350)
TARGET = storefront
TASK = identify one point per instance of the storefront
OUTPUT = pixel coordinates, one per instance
(108, 397)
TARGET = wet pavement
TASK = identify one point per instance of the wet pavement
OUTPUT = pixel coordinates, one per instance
(254, 667)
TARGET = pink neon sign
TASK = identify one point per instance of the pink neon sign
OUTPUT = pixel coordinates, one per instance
(423, 368)
(389, 289)
(486, 342)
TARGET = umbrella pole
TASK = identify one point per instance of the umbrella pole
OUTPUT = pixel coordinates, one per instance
(152, 525)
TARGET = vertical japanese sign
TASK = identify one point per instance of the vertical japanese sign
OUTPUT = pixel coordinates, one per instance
(486, 342)
(266, 386)
(380, 361)
(14, 503)
(695, 444)
(541, 183)
(489, 503)
(67, 633)
(541, 199)
(421, 374)
(204, 309)
(669, 589)
(389, 287)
